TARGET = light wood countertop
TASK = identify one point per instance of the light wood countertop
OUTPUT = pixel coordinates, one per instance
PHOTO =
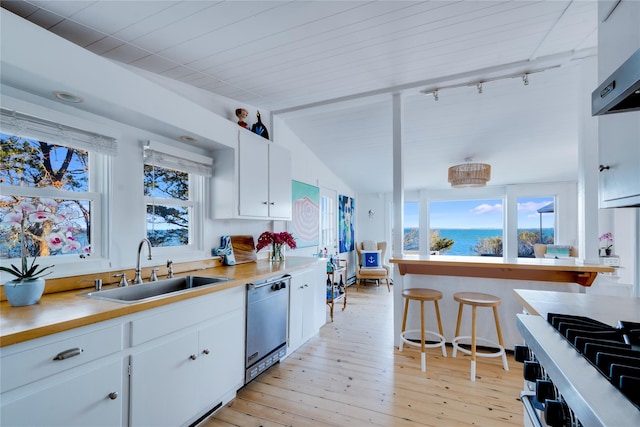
(607, 309)
(61, 311)
(541, 269)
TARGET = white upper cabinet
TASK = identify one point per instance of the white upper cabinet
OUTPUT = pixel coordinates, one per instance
(252, 182)
(618, 134)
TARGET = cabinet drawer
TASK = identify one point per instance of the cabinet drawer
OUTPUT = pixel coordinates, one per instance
(91, 399)
(38, 362)
(172, 320)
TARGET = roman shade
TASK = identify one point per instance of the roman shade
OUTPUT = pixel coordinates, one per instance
(157, 154)
(23, 125)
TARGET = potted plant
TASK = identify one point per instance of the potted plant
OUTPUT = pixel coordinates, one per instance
(277, 242)
(48, 227)
(606, 241)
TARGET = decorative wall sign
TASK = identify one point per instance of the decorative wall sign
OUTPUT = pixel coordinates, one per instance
(305, 214)
(346, 210)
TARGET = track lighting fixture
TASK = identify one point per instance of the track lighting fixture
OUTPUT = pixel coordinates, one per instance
(524, 75)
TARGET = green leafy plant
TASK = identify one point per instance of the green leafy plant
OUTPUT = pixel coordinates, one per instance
(440, 244)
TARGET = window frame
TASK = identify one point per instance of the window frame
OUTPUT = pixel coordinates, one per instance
(566, 209)
(97, 196)
(196, 216)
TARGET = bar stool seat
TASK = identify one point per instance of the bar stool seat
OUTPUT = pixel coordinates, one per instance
(422, 295)
(475, 300)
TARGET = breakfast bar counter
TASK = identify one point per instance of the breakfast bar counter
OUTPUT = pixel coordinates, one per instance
(538, 269)
(492, 275)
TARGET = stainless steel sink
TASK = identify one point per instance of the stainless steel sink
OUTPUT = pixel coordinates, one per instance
(150, 290)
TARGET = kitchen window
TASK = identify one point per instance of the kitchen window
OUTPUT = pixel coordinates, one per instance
(536, 223)
(51, 181)
(474, 226)
(173, 183)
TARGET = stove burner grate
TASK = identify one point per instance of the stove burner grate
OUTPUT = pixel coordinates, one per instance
(614, 352)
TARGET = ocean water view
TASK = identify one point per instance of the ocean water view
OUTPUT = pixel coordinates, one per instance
(465, 240)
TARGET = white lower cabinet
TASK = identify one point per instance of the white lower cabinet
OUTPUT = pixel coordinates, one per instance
(221, 347)
(306, 298)
(162, 383)
(167, 366)
(89, 398)
(73, 378)
(176, 379)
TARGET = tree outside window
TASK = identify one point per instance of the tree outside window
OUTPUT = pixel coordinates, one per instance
(169, 208)
(45, 187)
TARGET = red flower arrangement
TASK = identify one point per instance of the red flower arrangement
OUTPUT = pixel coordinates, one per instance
(276, 239)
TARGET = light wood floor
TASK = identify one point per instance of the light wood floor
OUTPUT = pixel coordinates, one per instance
(351, 375)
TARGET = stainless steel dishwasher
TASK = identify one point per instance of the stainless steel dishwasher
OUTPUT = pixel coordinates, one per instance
(267, 313)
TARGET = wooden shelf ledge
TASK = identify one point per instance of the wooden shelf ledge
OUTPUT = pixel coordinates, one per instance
(545, 270)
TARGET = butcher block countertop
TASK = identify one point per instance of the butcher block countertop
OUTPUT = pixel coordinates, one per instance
(541, 269)
(62, 311)
(607, 309)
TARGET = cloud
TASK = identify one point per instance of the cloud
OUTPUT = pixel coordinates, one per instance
(486, 208)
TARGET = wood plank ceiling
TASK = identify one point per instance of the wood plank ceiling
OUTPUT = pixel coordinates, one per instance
(327, 68)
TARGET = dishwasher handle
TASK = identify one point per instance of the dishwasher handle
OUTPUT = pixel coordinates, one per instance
(269, 282)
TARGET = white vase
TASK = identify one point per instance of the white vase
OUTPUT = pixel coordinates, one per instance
(24, 292)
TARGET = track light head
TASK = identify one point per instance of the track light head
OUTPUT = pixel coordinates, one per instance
(435, 95)
(479, 86)
(525, 79)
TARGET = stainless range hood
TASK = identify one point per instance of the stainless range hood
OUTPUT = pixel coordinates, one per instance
(620, 92)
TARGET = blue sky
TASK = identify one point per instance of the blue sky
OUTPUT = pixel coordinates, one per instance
(485, 213)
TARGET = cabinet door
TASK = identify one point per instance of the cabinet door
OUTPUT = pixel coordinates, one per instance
(619, 150)
(302, 310)
(163, 383)
(253, 183)
(83, 400)
(618, 134)
(296, 312)
(221, 357)
(279, 182)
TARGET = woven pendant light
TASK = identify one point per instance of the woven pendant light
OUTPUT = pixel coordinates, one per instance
(469, 174)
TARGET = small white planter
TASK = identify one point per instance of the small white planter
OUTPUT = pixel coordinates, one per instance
(24, 292)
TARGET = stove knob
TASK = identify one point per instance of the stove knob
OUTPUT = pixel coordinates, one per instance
(275, 287)
(545, 390)
(283, 285)
(521, 353)
(556, 413)
(532, 370)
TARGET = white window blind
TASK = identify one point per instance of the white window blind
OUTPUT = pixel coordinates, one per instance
(19, 124)
(156, 154)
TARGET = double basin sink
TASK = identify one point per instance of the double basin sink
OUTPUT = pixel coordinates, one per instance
(151, 290)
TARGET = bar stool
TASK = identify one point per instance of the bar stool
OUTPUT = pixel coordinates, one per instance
(475, 300)
(422, 295)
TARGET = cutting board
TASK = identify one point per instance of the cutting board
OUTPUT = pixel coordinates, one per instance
(243, 249)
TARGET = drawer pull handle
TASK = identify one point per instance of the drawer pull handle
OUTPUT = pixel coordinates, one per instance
(193, 357)
(205, 351)
(113, 395)
(68, 353)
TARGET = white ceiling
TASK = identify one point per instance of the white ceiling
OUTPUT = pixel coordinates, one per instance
(328, 68)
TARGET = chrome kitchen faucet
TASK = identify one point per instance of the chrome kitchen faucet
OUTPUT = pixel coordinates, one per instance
(138, 279)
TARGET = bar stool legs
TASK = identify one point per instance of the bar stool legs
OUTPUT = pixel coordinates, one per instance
(422, 295)
(476, 300)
